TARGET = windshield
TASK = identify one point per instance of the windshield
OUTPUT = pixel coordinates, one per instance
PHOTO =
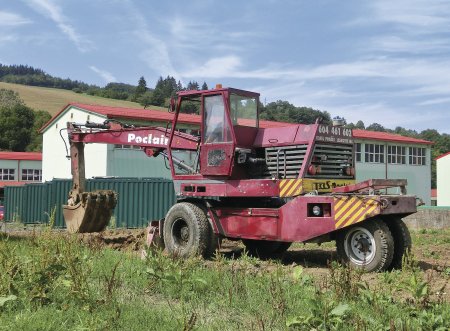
(244, 110)
(217, 129)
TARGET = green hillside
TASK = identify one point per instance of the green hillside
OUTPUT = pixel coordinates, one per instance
(53, 100)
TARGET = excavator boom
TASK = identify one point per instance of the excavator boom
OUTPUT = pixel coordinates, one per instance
(91, 211)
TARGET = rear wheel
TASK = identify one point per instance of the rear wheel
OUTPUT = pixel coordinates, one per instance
(402, 241)
(265, 248)
(187, 231)
(369, 245)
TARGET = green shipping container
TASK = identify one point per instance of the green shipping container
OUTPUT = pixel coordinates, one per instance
(139, 200)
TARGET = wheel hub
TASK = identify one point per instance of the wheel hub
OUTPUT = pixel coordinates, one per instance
(360, 246)
(185, 233)
(180, 232)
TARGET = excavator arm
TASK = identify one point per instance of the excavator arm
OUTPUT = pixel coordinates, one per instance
(91, 211)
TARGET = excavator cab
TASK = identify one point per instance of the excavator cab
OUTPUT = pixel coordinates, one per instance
(229, 123)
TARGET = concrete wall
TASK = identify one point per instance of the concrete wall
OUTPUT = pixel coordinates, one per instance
(54, 161)
(418, 176)
(429, 218)
(443, 180)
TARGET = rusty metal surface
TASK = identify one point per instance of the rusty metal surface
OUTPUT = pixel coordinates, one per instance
(92, 213)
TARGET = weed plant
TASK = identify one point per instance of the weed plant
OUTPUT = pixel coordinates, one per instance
(52, 281)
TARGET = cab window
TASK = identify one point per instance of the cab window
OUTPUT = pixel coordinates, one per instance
(244, 110)
(216, 128)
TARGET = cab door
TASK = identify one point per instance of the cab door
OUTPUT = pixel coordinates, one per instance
(217, 148)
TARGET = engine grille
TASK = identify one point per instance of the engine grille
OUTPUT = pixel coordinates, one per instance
(332, 159)
(290, 159)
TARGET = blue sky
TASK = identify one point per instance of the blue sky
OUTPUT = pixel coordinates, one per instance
(379, 61)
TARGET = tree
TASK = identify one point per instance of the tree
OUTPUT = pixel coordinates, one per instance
(376, 127)
(16, 123)
(284, 111)
(193, 86)
(140, 89)
(41, 117)
(9, 98)
(204, 86)
(179, 86)
(158, 98)
(146, 99)
(360, 125)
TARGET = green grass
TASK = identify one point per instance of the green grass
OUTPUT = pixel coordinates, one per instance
(52, 281)
(53, 100)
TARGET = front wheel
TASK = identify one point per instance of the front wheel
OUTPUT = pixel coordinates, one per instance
(187, 231)
(369, 245)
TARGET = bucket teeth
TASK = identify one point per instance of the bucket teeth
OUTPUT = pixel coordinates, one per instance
(92, 212)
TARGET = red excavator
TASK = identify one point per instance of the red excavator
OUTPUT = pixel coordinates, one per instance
(268, 187)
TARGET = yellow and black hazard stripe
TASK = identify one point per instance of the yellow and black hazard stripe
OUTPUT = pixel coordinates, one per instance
(353, 209)
(290, 187)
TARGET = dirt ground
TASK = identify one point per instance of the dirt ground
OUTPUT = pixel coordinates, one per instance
(433, 260)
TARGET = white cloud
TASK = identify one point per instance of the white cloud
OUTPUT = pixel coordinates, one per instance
(227, 66)
(12, 19)
(107, 76)
(54, 12)
(425, 14)
(155, 51)
(8, 38)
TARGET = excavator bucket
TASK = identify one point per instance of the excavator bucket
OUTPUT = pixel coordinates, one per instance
(91, 212)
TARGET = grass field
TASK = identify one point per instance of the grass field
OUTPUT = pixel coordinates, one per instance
(52, 281)
(53, 100)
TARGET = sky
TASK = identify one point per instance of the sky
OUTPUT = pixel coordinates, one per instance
(379, 61)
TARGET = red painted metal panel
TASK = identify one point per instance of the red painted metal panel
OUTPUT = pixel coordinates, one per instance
(276, 136)
(245, 135)
(251, 223)
(216, 159)
(295, 225)
(231, 188)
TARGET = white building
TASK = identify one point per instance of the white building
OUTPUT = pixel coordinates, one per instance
(386, 155)
(378, 154)
(19, 168)
(443, 179)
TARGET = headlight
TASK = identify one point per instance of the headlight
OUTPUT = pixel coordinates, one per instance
(316, 210)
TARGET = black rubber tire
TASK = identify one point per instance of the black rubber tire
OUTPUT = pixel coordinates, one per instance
(187, 231)
(368, 245)
(265, 248)
(402, 241)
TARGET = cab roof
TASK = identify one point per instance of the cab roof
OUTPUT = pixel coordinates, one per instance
(218, 90)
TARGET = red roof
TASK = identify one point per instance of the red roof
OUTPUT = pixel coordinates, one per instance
(162, 116)
(146, 115)
(441, 156)
(29, 156)
(386, 136)
(12, 183)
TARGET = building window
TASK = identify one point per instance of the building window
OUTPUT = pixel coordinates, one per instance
(374, 153)
(117, 146)
(417, 156)
(396, 154)
(7, 174)
(34, 175)
(358, 152)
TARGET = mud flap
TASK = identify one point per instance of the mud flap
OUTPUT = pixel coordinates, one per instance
(92, 213)
(153, 238)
